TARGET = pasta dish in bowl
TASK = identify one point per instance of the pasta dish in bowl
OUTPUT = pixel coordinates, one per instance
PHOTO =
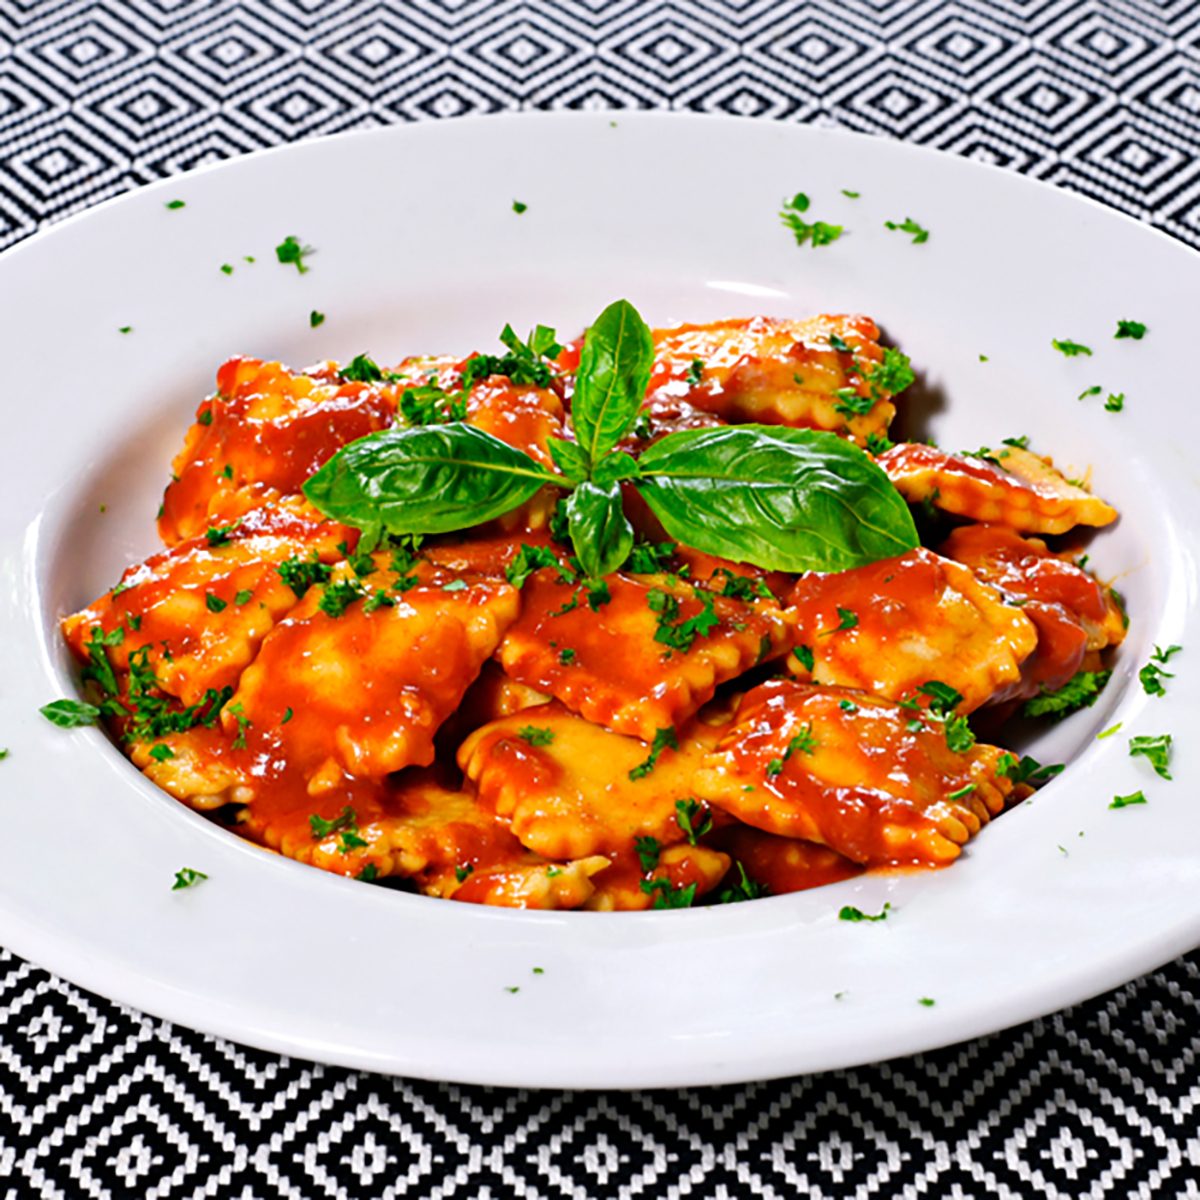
(653, 619)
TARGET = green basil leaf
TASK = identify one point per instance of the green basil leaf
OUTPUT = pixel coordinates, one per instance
(600, 531)
(783, 499)
(569, 459)
(614, 466)
(614, 369)
(432, 479)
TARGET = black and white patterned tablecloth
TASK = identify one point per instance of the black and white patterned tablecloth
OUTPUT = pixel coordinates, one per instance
(97, 97)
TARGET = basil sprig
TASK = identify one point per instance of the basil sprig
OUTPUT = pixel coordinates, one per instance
(786, 499)
(780, 498)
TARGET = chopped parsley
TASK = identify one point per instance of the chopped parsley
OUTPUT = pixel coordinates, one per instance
(204, 417)
(849, 913)
(1115, 402)
(1130, 329)
(650, 558)
(680, 634)
(742, 587)
(339, 596)
(803, 742)
(215, 604)
(362, 368)
(430, 404)
(848, 706)
(535, 735)
(804, 656)
(243, 597)
(850, 194)
(1104, 733)
(851, 404)
(959, 737)
(523, 364)
(1153, 674)
(129, 329)
(815, 233)
(686, 814)
(175, 204)
(648, 850)
(878, 444)
(943, 699)
(1126, 801)
(847, 619)
(774, 767)
(519, 207)
(908, 225)
(1080, 691)
(70, 714)
(316, 318)
(301, 573)
(291, 253)
(187, 877)
(695, 372)
(1094, 390)
(227, 268)
(665, 896)
(1069, 348)
(368, 874)
(461, 873)
(663, 738)
(345, 825)
(1156, 748)
(1021, 443)
(533, 558)
(220, 535)
(455, 585)
(288, 714)
(926, 1002)
(598, 594)
(162, 752)
(243, 723)
(744, 889)
(1026, 769)
(567, 657)
(961, 793)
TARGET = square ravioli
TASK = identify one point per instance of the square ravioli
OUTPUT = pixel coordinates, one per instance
(903, 622)
(825, 372)
(360, 675)
(196, 614)
(413, 826)
(1073, 614)
(646, 658)
(1009, 487)
(872, 780)
(571, 789)
(263, 433)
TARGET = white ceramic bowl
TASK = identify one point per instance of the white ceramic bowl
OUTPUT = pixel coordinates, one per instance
(418, 248)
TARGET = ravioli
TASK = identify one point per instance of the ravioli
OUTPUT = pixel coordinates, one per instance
(843, 768)
(1013, 487)
(571, 789)
(638, 662)
(777, 372)
(200, 610)
(900, 623)
(262, 434)
(1072, 613)
(360, 675)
